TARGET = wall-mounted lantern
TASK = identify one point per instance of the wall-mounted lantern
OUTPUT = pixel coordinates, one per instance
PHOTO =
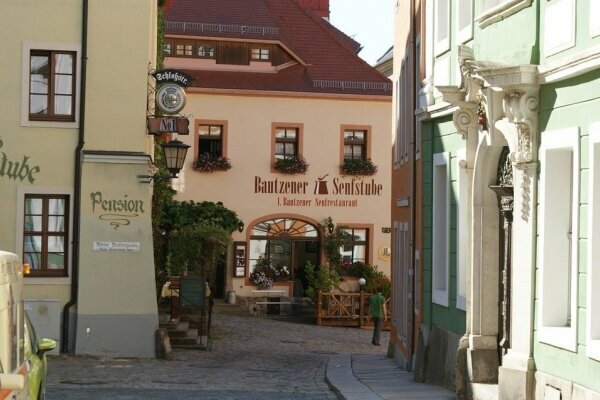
(174, 153)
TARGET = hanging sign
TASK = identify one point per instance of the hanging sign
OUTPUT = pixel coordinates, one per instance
(172, 76)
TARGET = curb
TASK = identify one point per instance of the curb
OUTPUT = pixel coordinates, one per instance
(342, 381)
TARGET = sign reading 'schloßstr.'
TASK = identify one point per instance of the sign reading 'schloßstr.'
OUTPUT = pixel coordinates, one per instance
(327, 193)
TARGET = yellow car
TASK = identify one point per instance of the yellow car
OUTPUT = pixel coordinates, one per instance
(35, 355)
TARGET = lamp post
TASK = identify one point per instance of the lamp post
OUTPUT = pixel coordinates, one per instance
(174, 153)
(361, 282)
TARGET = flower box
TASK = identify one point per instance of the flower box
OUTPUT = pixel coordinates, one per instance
(295, 165)
(209, 163)
(359, 167)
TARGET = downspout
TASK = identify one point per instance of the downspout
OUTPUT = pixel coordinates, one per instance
(413, 178)
(77, 185)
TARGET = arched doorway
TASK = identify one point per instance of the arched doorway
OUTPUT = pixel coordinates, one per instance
(287, 245)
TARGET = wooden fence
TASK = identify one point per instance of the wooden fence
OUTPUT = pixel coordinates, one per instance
(348, 309)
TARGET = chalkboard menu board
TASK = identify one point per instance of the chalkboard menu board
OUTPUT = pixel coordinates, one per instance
(191, 292)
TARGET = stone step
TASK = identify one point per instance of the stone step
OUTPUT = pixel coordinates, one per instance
(178, 342)
(183, 333)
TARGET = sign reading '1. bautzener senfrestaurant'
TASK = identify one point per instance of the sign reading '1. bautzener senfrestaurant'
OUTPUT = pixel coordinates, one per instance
(327, 193)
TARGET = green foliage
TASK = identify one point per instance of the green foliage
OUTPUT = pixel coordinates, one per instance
(359, 167)
(177, 214)
(294, 165)
(160, 37)
(376, 280)
(197, 248)
(332, 242)
(322, 277)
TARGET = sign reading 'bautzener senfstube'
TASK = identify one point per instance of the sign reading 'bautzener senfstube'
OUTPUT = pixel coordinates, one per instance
(323, 189)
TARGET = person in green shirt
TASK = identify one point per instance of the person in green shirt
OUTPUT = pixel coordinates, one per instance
(378, 312)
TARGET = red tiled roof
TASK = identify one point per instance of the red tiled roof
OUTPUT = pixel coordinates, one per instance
(329, 55)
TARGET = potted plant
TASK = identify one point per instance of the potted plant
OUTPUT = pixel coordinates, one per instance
(293, 165)
(358, 167)
(206, 162)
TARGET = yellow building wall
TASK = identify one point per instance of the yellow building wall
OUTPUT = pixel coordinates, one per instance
(249, 122)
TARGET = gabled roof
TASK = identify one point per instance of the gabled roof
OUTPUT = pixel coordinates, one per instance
(331, 63)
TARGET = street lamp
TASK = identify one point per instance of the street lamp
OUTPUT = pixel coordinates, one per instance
(362, 282)
(174, 153)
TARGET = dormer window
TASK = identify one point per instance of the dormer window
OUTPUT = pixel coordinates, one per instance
(205, 51)
(260, 54)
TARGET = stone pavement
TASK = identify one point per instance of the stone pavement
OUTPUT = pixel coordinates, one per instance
(251, 358)
(375, 377)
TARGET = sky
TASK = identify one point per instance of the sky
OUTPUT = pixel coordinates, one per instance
(369, 22)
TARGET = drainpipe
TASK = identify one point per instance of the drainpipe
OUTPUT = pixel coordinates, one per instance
(413, 177)
(77, 185)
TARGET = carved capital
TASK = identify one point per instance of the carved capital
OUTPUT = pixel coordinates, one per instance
(521, 107)
(465, 118)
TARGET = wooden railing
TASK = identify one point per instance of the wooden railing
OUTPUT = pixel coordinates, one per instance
(347, 309)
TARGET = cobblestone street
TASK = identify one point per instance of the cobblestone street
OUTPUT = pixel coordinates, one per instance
(251, 358)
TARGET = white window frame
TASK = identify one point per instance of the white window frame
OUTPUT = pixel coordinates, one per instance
(462, 229)
(441, 42)
(440, 241)
(25, 74)
(593, 247)
(594, 18)
(22, 191)
(554, 309)
(557, 13)
(504, 9)
(466, 33)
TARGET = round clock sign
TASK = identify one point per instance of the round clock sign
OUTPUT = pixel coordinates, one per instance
(170, 98)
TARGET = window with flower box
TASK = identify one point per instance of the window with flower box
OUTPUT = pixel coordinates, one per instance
(46, 234)
(211, 146)
(286, 144)
(355, 150)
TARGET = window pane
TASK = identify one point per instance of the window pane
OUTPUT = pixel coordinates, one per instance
(33, 223)
(38, 104)
(62, 105)
(290, 149)
(167, 49)
(360, 235)
(39, 65)
(33, 206)
(359, 135)
(63, 63)
(215, 130)
(279, 149)
(56, 244)
(203, 130)
(56, 224)
(33, 243)
(179, 49)
(357, 151)
(56, 261)
(56, 206)
(33, 259)
(188, 50)
(280, 133)
(347, 151)
(63, 84)
(291, 134)
(38, 83)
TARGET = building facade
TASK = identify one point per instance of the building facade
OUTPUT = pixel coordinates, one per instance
(511, 138)
(284, 98)
(72, 141)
